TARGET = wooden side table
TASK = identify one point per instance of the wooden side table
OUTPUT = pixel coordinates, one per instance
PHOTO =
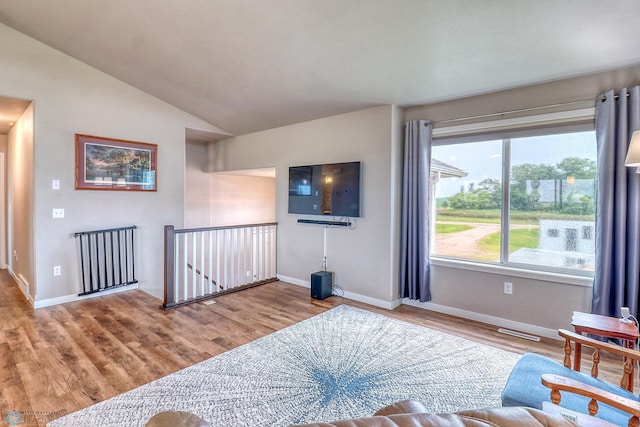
(608, 327)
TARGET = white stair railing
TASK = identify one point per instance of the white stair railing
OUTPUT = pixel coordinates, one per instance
(201, 263)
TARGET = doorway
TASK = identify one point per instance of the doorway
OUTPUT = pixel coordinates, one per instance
(16, 192)
(214, 199)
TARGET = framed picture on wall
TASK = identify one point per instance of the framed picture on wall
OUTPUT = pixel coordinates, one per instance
(115, 164)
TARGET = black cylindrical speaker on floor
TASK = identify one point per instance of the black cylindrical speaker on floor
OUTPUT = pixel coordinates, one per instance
(321, 284)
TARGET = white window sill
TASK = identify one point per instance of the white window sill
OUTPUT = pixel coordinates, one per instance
(568, 279)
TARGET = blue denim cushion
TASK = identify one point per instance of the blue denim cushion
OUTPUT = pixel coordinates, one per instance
(524, 388)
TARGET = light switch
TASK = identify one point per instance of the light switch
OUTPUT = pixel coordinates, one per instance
(58, 213)
(55, 184)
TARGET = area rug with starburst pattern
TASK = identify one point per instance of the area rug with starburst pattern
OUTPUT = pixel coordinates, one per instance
(344, 363)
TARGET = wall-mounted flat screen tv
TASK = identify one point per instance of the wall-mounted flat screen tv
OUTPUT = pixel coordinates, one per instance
(329, 189)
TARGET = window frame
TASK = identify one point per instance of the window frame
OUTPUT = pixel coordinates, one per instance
(506, 135)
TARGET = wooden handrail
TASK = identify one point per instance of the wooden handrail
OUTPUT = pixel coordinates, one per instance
(224, 227)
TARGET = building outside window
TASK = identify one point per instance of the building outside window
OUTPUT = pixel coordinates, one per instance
(522, 200)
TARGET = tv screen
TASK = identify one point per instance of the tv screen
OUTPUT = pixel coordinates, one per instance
(329, 189)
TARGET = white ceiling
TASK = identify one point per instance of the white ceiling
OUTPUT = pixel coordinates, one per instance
(249, 65)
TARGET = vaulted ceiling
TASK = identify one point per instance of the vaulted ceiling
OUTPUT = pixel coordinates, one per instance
(249, 65)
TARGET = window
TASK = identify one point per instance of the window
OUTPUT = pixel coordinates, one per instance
(468, 200)
(526, 201)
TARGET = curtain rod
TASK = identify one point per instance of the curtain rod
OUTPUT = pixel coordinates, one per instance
(502, 113)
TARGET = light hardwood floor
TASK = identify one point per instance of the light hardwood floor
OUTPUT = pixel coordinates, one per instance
(59, 359)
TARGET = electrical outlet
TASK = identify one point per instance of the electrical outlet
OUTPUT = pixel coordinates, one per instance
(57, 270)
(58, 213)
(508, 288)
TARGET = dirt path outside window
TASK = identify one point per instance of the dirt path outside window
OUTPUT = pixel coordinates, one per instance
(464, 244)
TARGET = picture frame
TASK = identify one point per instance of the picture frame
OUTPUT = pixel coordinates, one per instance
(115, 164)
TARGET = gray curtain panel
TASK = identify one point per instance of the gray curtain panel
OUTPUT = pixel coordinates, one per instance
(616, 280)
(414, 234)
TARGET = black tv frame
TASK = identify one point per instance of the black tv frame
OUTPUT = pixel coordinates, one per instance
(329, 189)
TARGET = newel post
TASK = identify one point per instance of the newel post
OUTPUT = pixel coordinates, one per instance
(169, 266)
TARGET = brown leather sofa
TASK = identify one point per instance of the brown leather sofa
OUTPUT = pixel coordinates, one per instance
(407, 413)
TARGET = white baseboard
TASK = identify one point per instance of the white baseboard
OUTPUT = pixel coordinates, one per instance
(22, 283)
(74, 297)
(389, 305)
(24, 286)
(294, 281)
(485, 318)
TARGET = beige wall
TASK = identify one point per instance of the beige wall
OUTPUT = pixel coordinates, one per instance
(3, 205)
(20, 197)
(537, 305)
(396, 156)
(197, 186)
(219, 199)
(242, 199)
(71, 97)
(360, 257)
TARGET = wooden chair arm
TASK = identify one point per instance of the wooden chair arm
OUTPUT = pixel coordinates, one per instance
(559, 383)
(590, 342)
